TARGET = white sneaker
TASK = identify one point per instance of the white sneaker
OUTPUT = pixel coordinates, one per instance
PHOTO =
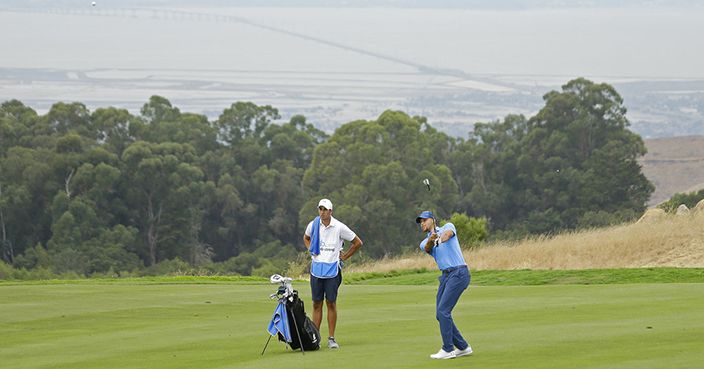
(442, 354)
(458, 352)
(332, 343)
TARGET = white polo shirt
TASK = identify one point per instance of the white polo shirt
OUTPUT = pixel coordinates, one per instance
(331, 239)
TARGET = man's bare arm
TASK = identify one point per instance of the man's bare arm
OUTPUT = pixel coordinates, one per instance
(356, 244)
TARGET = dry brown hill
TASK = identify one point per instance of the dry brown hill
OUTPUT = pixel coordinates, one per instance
(668, 241)
(674, 165)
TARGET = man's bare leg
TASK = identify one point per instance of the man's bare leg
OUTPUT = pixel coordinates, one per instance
(318, 313)
(332, 317)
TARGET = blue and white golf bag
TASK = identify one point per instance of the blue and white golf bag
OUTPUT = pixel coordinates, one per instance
(290, 322)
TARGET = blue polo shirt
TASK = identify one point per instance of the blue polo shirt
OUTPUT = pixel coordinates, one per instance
(447, 254)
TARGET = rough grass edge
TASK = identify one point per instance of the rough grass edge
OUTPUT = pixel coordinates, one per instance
(144, 280)
(528, 277)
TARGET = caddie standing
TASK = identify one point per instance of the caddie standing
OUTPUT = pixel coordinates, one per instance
(324, 238)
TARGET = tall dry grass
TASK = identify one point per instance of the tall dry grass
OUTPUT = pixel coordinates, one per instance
(669, 241)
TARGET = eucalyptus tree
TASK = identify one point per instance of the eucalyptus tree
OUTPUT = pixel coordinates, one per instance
(114, 128)
(570, 164)
(28, 183)
(373, 172)
(256, 178)
(486, 169)
(15, 125)
(16, 121)
(163, 186)
(579, 157)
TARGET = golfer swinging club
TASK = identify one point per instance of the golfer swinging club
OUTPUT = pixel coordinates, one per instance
(443, 245)
(324, 237)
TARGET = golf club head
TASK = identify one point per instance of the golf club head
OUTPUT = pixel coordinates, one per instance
(426, 182)
(276, 278)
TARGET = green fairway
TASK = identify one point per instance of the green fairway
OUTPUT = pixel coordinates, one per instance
(142, 324)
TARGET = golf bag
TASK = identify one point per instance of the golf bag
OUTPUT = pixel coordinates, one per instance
(290, 323)
(297, 319)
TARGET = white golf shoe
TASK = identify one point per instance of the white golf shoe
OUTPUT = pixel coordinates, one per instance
(442, 354)
(467, 351)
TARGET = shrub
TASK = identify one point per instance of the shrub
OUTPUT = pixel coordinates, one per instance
(6, 270)
(266, 269)
(690, 199)
(168, 267)
(470, 231)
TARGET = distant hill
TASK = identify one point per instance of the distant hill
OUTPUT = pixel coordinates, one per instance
(674, 165)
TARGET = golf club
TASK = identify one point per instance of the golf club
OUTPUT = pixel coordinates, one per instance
(426, 182)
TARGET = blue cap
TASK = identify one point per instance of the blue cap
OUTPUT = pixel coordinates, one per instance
(424, 215)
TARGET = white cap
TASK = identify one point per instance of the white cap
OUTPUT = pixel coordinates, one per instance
(327, 204)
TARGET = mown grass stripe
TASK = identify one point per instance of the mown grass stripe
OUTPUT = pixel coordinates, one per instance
(427, 277)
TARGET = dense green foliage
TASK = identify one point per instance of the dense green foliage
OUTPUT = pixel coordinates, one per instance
(108, 192)
(688, 199)
(564, 168)
(472, 231)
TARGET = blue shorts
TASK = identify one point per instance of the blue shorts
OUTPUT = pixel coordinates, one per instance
(325, 288)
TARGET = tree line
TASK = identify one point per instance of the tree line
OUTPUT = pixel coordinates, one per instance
(108, 192)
